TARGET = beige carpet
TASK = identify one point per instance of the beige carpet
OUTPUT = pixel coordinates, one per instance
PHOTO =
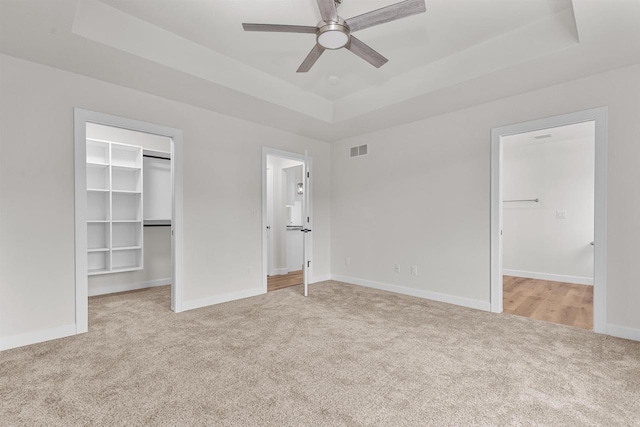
(346, 355)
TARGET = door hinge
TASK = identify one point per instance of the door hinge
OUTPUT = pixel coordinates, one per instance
(307, 219)
(307, 174)
(308, 264)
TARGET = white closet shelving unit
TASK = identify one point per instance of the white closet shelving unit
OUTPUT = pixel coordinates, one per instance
(114, 207)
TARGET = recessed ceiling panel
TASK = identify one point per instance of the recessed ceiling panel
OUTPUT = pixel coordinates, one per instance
(446, 28)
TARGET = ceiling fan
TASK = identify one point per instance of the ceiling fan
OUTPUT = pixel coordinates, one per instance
(333, 32)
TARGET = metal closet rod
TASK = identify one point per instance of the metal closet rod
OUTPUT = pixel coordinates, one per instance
(522, 200)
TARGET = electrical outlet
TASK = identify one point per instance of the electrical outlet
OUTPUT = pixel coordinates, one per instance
(347, 261)
(414, 270)
(396, 268)
(561, 214)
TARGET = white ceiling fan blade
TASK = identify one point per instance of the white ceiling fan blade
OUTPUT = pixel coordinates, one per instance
(366, 53)
(328, 10)
(311, 59)
(386, 14)
(275, 28)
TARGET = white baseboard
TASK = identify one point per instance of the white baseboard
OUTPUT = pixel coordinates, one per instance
(322, 278)
(279, 271)
(435, 296)
(103, 290)
(623, 332)
(35, 337)
(545, 276)
(219, 299)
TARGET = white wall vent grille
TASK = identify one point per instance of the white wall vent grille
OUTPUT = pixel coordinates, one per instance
(359, 151)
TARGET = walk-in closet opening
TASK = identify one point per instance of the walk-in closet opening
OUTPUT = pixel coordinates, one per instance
(549, 219)
(548, 224)
(287, 220)
(126, 207)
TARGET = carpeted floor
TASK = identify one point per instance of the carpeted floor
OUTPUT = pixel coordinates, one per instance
(346, 355)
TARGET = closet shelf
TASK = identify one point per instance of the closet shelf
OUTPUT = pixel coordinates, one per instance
(126, 268)
(114, 207)
(125, 167)
(126, 192)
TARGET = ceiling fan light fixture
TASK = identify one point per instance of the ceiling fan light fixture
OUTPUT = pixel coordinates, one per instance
(333, 35)
(333, 39)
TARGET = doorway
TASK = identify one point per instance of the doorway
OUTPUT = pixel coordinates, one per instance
(128, 182)
(287, 219)
(548, 224)
(548, 210)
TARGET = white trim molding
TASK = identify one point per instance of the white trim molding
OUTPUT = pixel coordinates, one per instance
(623, 332)
(600, 117)
(279, 271)
(104, 290)
(35, 337)
(219, 299)
(547, 276)
(434, 296)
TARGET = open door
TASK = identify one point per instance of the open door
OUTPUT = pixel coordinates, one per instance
(306, 225)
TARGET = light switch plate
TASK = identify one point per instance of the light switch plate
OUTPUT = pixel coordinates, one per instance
(561, 214)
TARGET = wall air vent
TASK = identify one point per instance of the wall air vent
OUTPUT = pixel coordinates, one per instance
(358, 151)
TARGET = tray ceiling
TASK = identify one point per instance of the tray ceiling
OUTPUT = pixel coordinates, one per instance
(197, 52)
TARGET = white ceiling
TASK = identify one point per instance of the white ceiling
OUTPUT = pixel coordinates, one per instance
(459, 53)
(408, 43)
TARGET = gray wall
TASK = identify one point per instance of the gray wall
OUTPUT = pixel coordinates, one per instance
(222, 192)
(422, 195)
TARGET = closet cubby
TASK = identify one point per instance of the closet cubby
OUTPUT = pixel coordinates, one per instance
(98, 262)
(97, 205)
(114, 207)
(127, 235)
(97, 152)
(97, 177)
(126, 259)
(126, 156)
(126, 206)
(98, 236)
(126, 179)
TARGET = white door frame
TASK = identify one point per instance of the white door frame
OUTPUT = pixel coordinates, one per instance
(600, 116)
(266, 151)
(81, 118)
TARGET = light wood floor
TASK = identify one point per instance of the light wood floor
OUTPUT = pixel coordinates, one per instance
(555, 302)
(284, 280)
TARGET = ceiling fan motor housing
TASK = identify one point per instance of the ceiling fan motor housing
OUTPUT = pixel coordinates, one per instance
(333, 35)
